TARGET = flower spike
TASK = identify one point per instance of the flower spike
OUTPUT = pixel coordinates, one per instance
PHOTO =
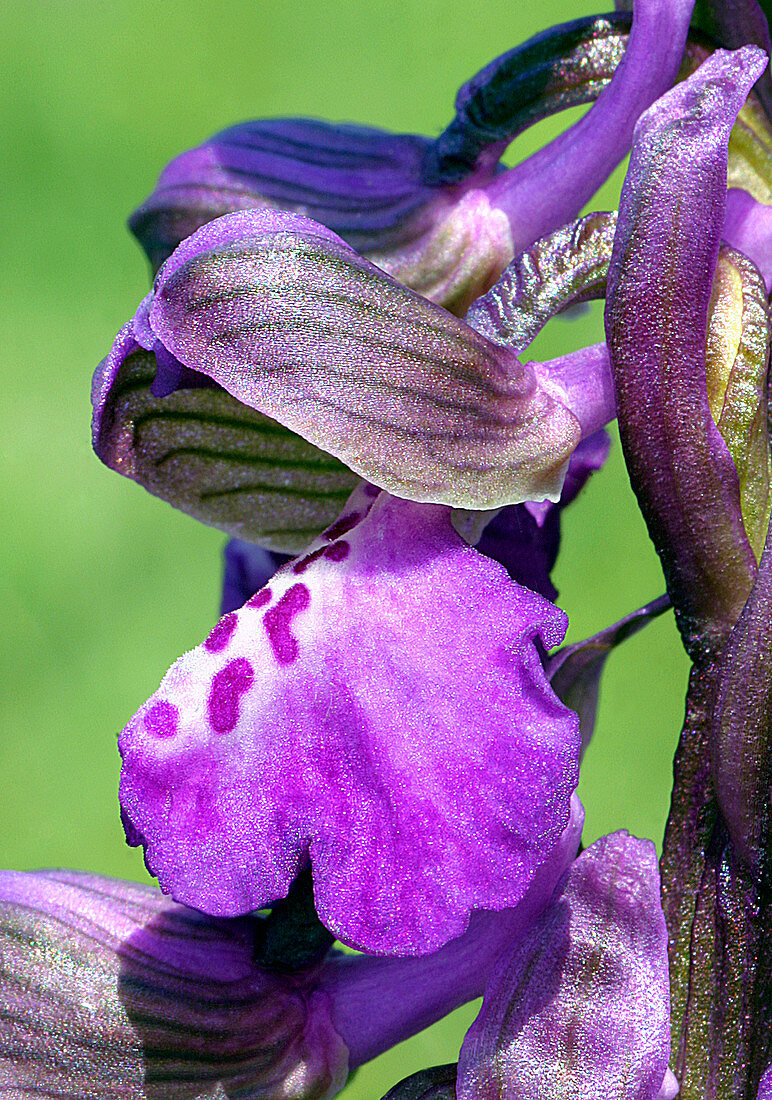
(379, 710)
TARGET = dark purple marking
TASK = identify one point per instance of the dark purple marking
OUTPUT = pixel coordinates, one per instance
(228, 685)
(371, 490)
(161, 719)
(303, 564)
(279, 619)
(260, 599)
(221, 634)
(342, 525)
(338, 551)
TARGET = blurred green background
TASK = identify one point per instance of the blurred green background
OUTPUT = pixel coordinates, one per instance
(104, 586)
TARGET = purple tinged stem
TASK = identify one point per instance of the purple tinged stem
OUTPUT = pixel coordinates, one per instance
(535, 195)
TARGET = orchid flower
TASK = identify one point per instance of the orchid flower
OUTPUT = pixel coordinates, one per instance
(109, 991)
(441, 216)
(379, 740)
(341, 716)
(263, 314)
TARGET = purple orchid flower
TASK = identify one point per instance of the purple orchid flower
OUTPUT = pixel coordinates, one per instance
(441, 216)
(578, 1005)
(343, 716)
(266, 314)
(109, 991)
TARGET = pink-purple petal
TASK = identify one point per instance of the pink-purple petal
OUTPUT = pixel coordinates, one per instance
(748, 228)
(382, 712)
(580, 1007)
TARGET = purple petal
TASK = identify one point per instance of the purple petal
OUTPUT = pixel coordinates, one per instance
(382, 192)
(748, 228)
(346, 714)
(562, 67)
(365, 184)
(551, 187)
(580, 1008)
(734, 23)
(765, 1086)
(669, 1087)
(107, 989)
(296, 325)
(379, 1002)
(660, 284)
(525, 538)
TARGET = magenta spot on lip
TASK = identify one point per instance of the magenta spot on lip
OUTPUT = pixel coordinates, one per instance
(221, 634)
(338, 551)
(260, 599)
(302, 564)
(342, 525)
(279, 619)
(228, 685)
(161, 719)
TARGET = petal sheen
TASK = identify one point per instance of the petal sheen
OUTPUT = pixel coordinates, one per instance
(109, 991)
(581, 1007)
(294, 324)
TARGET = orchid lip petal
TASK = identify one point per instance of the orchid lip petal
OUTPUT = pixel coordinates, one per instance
(374, 1000)
(278, 737)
